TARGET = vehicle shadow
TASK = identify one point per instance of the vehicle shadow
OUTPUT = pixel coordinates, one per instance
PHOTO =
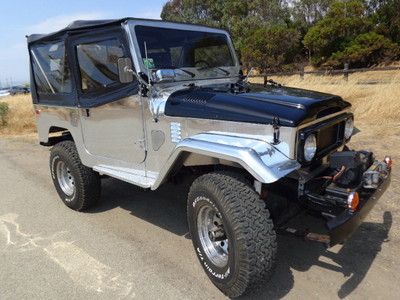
(353, 259)
(166, 208)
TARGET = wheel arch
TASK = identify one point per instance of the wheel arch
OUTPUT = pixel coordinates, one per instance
(55, 135)
(266, 166)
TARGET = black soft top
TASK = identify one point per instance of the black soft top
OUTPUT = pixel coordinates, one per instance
(76, 25)
(88, 24)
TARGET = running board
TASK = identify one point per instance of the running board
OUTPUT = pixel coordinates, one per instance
(136, 177)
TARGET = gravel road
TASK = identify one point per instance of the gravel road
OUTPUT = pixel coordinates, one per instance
(135, 244)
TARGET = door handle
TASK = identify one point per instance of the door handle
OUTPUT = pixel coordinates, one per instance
(87, 110)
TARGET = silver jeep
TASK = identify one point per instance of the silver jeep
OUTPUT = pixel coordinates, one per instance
(147, 101)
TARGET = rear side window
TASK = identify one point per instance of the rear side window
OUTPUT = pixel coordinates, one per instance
(98, 64)
(51, 72)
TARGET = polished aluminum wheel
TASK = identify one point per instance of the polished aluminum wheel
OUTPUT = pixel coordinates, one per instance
(65, 178)
(212, 236)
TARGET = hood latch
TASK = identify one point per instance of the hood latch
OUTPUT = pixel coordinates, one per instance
(275, 125)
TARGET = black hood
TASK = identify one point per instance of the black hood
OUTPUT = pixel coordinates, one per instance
(291, 106)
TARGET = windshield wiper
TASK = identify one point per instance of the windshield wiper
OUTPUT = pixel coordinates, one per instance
(186, 71)
(218, 68)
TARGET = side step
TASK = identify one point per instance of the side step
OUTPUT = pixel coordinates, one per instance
(136, 177)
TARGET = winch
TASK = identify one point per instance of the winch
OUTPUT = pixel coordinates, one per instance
(351, 166)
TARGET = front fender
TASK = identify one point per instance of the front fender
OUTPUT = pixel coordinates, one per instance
(262, 160)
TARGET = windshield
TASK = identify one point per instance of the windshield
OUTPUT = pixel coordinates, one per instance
(174, 48)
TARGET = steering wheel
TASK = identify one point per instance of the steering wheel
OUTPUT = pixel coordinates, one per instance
(202, 61)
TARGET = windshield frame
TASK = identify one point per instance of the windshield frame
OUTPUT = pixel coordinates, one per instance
(138, 59)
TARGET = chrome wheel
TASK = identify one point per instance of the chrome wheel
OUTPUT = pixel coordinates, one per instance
(65, 178)
(212, 236)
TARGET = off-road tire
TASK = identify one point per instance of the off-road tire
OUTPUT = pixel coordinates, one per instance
(86, 181)
(248, 226)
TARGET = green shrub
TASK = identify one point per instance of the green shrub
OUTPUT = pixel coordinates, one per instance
(3, 113)
(344, 21)
(366, 50)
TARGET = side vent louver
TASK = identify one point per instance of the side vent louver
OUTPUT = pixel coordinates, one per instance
(196, 98)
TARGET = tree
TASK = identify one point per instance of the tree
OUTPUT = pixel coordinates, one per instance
(205, 12)
(386, 16)
(270, 48)
(266, 33)
(306, 13)
(366, 50)
(342, 24)
(239, 17)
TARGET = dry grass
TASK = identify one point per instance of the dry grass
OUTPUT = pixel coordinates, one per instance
(20, 118)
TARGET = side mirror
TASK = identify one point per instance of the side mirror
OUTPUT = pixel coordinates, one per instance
(164, 75)
(125, 70)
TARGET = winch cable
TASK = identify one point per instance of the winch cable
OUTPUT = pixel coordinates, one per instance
(334, 177)
(338, 174)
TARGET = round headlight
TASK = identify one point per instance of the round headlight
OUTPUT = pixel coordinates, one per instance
(310, 147)
(348, 129)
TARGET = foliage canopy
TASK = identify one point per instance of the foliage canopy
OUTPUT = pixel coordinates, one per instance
(280, 34)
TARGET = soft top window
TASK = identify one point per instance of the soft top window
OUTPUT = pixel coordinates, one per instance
(50, 69)
(175, 48)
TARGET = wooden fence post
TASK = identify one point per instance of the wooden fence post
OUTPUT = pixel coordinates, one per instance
(346, 72)
(302, 74)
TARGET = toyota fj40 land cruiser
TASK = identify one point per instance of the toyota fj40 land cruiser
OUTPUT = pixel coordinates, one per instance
(143, 100)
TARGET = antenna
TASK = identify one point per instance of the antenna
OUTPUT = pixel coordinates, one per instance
(147, 63)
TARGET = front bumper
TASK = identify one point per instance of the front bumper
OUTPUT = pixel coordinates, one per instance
(346, 223)
(335, 201)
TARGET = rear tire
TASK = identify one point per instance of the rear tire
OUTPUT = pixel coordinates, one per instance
(232, 233)
(78, 186)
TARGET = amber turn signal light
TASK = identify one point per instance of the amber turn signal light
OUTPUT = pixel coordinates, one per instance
(353, 200)
(388, 161)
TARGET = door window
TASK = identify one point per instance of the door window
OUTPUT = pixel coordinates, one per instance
(98, 65)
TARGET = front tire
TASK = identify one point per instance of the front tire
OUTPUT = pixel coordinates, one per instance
(78, 186)
(232, 233)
